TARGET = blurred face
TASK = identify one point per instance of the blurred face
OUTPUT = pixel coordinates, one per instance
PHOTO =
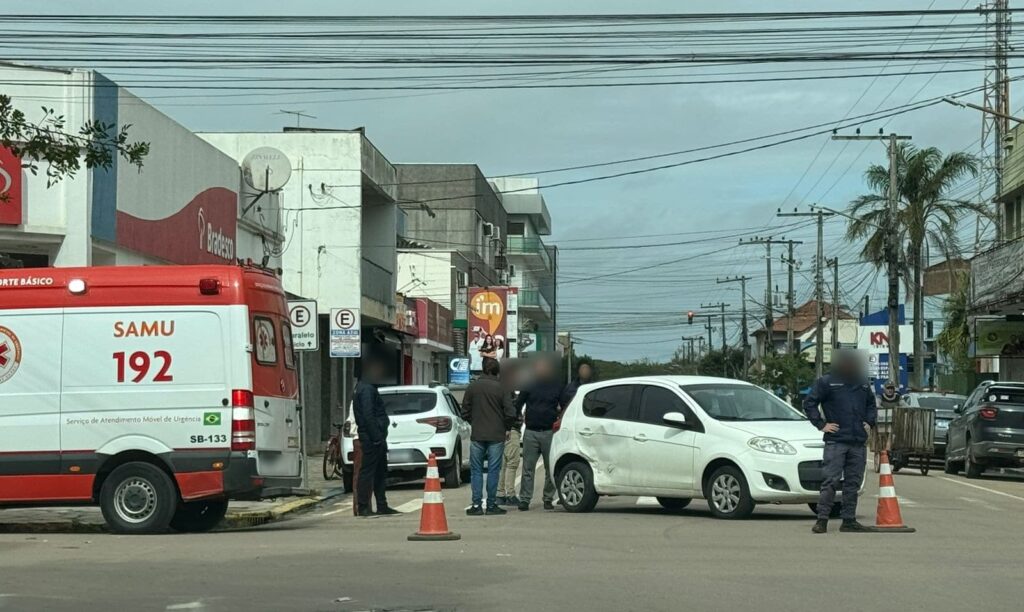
(586, 372)
(848, 364)
(542, 369)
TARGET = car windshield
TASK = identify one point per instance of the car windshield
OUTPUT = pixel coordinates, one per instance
(943, 405)
(725, 402)
(409, 402)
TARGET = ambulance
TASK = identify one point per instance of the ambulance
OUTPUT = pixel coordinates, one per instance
(158, 392)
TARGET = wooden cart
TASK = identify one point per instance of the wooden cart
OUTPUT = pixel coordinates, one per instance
(912, 440)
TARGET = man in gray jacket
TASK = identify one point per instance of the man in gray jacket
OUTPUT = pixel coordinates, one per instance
(488, 407)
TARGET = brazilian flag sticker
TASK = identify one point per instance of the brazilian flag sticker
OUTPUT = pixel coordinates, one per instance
(211, 418)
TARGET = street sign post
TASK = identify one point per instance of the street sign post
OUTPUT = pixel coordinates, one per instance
(305, 331)
(346, 332)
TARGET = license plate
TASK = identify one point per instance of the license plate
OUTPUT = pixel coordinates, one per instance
(941, 425)
(1020, 453)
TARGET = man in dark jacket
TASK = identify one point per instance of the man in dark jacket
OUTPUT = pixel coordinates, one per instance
(373, 423)
(544, 401)
(487, 406)
(584, 375)
(849, 409)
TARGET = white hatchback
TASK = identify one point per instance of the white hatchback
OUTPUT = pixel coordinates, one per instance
(424, 420)
(682, 437)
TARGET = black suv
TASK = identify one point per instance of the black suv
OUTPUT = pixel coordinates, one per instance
(988, 430)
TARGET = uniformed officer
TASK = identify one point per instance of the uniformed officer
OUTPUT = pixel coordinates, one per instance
(372, 421)
(848, 403)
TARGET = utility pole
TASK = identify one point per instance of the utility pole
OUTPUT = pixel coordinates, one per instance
(769, 315)
(722, 306)
(891, 250)
(710, 329)
(819, 281)
(792, 264)
(742, 280)
(834, 262)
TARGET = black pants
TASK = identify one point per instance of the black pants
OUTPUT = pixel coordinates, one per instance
(373, 474)
(843, 465)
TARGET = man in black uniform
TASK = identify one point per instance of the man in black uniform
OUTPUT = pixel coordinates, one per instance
(849, 412)
(372, 422)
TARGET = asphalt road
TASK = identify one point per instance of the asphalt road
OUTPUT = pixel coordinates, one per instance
(627, 555)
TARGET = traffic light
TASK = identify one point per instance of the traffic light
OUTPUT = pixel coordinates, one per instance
(689, 317)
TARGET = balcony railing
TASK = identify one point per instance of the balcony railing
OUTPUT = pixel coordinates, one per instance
(377, 283)
(534, 299)
(529, 245)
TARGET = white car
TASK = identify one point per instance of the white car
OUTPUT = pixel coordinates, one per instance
(424, 420)
(682, 437)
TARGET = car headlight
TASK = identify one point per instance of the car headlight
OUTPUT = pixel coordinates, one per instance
(771, 445)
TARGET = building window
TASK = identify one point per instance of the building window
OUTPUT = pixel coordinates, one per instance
(516, 228)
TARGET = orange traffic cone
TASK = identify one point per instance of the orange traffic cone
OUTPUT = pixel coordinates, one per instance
(888, 518)
(433, 523)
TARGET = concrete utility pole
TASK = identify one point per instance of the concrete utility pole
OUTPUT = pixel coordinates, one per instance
(792, 264)
(834, 262)
(721, 305)
(891, 248)
(742, 280)
(769, 315)
(710, 329)
(819, 280)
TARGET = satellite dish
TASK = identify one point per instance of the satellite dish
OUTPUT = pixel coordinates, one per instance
(266, 169)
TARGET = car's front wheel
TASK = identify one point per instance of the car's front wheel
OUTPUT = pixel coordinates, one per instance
(952, 467)
(674, 504)
(728, 494)
(576, 487)
(972, 469)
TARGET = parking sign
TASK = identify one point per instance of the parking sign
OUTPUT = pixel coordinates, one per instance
(346, 332)
(305, 331)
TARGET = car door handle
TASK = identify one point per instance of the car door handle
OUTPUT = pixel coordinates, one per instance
(586, 431)
(640, 438)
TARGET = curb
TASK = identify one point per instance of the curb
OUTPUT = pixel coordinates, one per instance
(233, 520)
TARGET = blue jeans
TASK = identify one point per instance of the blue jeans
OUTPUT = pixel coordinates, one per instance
(493, 452)
(842, 466)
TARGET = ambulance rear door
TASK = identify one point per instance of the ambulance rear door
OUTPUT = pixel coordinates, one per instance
(275, 391)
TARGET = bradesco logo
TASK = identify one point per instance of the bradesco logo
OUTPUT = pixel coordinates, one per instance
(10, 354)
(214, 241)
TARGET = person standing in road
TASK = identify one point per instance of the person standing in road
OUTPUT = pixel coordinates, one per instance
(848, 403)
(544, 401)
(372, 422)
(510, 378)
(584, 375)
(487, 406)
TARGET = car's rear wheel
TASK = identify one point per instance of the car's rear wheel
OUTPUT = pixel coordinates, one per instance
(972, 469)
(199, 516)
(453, 471)
(835, 512)
(576, 487)
(674, 504)
(728, 494)
(138, 497)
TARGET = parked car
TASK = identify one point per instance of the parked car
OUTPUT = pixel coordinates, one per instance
(682, 437)
(424, 420)
(988, 430)
(944, 405)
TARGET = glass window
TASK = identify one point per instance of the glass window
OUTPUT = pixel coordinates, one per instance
(289, 349)
(265, 341)
(516, 228)
(727, 402)
(409, 403)
(656, 402)
(609, 403)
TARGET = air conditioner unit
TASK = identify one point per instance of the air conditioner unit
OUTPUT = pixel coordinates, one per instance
(511, 270)
(488, 229)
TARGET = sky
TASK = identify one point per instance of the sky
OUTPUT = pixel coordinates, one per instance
(638, 314)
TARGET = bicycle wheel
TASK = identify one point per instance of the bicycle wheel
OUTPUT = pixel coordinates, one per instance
(331, 456)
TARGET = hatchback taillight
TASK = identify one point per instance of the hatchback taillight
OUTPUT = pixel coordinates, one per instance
(989, 413)
(440, 424)
(243, 420)
(346, 429)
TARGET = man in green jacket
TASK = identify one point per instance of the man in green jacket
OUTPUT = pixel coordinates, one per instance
(488, 407)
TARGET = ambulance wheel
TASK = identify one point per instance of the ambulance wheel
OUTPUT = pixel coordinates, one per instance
(138, 497)
(199, 516)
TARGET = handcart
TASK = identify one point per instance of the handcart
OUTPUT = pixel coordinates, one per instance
(912, 438)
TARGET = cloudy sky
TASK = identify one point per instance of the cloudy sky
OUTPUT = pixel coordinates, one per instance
(636, 314)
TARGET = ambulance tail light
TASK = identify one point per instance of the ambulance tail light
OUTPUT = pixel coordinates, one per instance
(243, 420)
(209, 286)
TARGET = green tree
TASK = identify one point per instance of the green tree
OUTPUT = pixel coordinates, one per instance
(788, 371)
(728, 363)
(926, 215)
(46, 141)
(955, 336)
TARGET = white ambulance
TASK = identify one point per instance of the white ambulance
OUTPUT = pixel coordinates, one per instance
(158, 392)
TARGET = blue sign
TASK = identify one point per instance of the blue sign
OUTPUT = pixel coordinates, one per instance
(458, 371)
(880, 371)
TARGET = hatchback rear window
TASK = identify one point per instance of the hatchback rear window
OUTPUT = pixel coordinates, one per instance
(408, 403)
(1004, 395)
(943, 406)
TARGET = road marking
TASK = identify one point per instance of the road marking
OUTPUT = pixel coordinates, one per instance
(192, 605)
(984, 505)
(411, 506)
(647, 501)
(903, 501)
(341, 508)
(974, 486)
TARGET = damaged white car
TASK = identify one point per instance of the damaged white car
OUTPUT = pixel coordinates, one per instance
(677, 438)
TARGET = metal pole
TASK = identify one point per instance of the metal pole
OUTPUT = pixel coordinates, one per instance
(892, 256)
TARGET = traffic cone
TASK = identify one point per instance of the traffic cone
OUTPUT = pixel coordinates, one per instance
(433, 523)
(888, 518)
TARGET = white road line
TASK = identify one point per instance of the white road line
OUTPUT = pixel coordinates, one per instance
(341, 508)
(411, 506)
(974, 486)
(192, 605)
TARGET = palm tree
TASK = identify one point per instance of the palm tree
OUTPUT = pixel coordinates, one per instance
(926, 216)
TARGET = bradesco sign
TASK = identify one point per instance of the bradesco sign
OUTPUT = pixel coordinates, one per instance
(305, 331)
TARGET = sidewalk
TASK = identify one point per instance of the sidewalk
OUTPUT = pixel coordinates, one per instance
(88, 519)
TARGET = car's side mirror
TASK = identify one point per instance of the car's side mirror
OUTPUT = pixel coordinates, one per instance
(958, 409)
(675, 418)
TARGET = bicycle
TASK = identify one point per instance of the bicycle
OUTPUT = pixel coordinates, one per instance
(332, 454)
